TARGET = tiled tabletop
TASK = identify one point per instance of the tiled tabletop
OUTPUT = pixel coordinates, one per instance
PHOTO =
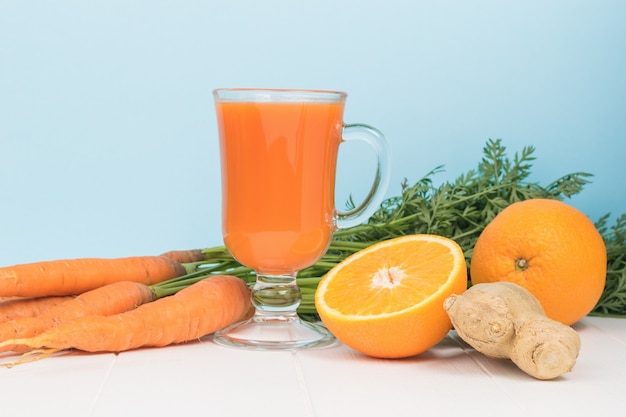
(203, 379)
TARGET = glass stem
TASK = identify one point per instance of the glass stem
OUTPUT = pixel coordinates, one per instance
(276, 297)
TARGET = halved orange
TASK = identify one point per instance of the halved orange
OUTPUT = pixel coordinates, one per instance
(386, 301)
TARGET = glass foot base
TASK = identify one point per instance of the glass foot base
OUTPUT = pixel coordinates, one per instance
(274, 333)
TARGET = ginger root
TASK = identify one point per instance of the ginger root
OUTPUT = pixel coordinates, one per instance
(504, 320)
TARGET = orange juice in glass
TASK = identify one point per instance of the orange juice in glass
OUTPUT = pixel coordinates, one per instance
(279, 156)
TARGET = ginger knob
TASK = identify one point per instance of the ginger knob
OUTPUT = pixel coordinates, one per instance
(504, 320)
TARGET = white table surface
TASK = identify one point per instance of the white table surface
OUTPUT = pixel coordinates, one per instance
(204, 379)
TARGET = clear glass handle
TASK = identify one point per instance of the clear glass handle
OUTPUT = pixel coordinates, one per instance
(376, 195)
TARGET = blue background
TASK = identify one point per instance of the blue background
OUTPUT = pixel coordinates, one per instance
(108, 141)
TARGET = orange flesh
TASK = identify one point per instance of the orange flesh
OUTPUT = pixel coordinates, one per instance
(399, 283)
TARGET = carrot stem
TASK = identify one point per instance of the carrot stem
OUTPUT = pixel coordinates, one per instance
(218, 260)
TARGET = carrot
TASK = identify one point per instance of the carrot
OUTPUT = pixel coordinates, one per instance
(17, 308)
(185, 256)
(106, 300)
(195, 311)
(75, 276)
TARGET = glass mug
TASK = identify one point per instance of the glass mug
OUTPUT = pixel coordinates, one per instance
(279, 153)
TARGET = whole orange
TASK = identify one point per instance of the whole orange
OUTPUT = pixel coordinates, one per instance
(551, 249)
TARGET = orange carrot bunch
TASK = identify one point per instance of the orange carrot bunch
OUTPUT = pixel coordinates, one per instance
(197, 310)
(114, 305)
(109, 299)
